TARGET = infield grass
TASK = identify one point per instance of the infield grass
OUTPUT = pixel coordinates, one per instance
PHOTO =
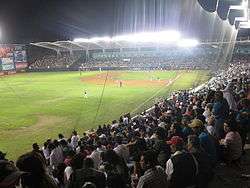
(37, 106)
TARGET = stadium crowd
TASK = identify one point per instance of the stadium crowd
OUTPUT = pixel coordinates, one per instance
(168, 59)
(176, 144)
(150, 63)
(55, 62)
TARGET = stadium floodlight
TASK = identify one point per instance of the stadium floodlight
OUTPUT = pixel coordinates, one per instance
(100, 39)
(168, 36)
(144, 37)
(81, 40)
(188, 43)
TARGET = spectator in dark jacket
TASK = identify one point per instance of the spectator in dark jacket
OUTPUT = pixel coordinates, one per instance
(87, 174)
(9, 175)
(220, 112)
(116, 170)
(205, 171)
(37, 176)
(182, 167)
(161, 148)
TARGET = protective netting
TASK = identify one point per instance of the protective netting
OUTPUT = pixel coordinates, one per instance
(187, 16)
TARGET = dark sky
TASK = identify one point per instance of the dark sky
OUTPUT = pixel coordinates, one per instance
(48, 20)
(23, 21)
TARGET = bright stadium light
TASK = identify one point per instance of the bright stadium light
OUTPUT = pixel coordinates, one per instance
(162, 36)
(169, 36)
(100, 39)
(188, 43)
(165, 37)
(81, 40)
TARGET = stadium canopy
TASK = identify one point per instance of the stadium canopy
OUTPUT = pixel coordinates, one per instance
(81, 44)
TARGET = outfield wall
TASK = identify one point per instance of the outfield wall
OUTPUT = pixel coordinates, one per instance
(112, 69)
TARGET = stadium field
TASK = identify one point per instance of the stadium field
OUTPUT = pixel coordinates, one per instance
(37, 106)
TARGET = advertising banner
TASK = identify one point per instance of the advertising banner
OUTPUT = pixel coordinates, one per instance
(1, 68)
(20, 56)
(8, 64)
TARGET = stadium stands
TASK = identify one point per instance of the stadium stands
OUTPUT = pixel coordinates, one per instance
(202, 57)
(202, 128)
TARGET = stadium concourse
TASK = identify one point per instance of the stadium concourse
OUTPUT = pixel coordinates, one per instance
(194, 139)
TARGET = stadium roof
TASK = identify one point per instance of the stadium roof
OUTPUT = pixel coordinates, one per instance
(104, 45)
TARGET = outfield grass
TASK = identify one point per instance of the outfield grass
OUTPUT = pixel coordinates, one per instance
(37, 106)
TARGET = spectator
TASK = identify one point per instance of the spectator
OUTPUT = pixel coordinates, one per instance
(46, 152)
(243, 119)
(182, 167)
(87, 174)
(232, 142)
(37, 176)
(96, 157)
(9, 175)
(186, 130)
(74, 164)
(36, 149)
(160, 147)
(121, 149)
(205, 170)
(210, 126)
(208, 111)
(56, 154)
(206, 141)
(228, 94)
(154, 176)
(220, 112)
(116, 170)
(74, 139)
(61, 137)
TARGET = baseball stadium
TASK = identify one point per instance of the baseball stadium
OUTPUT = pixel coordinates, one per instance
(162, 95)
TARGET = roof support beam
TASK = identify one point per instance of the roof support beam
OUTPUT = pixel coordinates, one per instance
(43, 46)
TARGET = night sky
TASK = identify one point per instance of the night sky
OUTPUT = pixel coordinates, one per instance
(24, 21)
(49, 20)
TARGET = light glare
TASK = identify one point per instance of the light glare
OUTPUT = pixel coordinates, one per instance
(99, 39)
(81, 40)
(188, 43)
(162, 36)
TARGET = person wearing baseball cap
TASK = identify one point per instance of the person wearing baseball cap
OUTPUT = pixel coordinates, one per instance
(206, 140)
(9, 175)
(182, 167)
(196, 123)
(176, 141)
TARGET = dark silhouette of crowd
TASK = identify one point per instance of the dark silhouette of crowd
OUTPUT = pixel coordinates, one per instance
(175, 144)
